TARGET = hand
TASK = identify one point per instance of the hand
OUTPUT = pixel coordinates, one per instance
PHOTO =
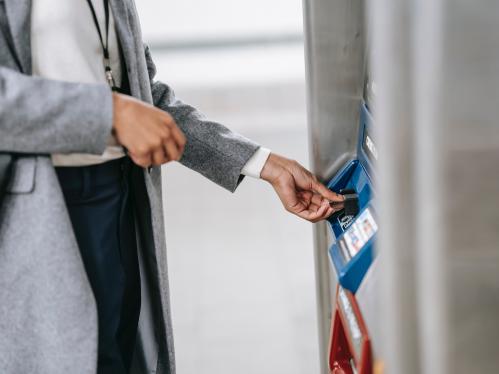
(300, 191)
(150, 135)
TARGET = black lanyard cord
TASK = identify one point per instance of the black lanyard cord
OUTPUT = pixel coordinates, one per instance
(105, 48)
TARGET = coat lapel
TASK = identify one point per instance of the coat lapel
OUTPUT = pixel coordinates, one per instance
(19, 17)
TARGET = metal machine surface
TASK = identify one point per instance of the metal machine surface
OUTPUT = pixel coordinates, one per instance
(435, 279)
(368, 301)
(335, 62)
(436, 66)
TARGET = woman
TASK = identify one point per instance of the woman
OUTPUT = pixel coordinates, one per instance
(82, 250)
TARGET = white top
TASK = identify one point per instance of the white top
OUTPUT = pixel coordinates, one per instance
(65, 46)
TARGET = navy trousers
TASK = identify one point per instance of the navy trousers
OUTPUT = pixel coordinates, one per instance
(100, 205)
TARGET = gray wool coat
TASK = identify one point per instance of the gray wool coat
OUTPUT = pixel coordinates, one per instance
(48, 321)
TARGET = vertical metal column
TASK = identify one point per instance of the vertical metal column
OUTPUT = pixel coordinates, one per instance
(435, 63)
(391, 63)
(428, 197)
(335, 59)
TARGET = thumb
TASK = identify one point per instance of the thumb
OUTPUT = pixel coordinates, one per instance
(327, 193)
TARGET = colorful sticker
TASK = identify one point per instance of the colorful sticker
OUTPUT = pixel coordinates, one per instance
(361, 231)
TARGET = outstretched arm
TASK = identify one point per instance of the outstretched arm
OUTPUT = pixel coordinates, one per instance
(221, 155)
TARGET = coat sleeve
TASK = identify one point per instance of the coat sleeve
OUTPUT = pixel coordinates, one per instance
(211, 149)
(44, 116)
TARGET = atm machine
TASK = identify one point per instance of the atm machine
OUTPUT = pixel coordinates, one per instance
(435, 273)
(352, 253)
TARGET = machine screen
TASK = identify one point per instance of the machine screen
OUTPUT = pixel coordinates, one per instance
(361, 231)
(369, 146)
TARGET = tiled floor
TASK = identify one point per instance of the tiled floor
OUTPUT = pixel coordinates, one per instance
(241, 268)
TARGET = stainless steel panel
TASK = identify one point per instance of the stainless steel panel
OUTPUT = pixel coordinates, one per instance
(402, 282)
(469, 98)
(335, 53)
(325, 281)
(436, 62)
(369, 304)
(335, 60)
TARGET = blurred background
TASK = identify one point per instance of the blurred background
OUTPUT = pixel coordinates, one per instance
(241, 268)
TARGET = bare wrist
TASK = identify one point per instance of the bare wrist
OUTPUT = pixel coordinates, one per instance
(116, 109)
(120, 104)
(273, 168)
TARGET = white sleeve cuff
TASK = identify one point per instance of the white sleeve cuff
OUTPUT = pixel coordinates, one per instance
(255, 164)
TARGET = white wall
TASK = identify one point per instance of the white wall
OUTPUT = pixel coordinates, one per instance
(194, 19)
